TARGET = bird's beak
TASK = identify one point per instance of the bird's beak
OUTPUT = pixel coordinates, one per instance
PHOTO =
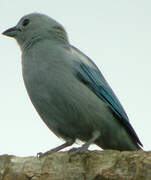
(12, 32)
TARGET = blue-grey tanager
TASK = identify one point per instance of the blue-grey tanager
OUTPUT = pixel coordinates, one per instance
(68, 90)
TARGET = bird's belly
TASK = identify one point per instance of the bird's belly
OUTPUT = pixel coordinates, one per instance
(72, 113)
(66, 110)
(68, 107)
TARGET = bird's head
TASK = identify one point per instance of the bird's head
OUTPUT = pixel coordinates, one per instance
(36, 26)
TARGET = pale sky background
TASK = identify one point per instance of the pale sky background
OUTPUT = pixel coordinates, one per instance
(116, 35)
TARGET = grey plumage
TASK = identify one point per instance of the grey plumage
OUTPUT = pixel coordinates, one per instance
(68, 90)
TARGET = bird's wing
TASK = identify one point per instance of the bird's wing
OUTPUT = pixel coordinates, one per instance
(89, 74)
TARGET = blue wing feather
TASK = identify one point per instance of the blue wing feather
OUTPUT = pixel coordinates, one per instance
(94, 79)
(103, 90)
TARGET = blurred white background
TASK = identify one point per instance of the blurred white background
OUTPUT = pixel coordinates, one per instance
(116, 35)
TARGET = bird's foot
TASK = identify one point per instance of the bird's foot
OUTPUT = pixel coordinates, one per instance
(40, 154)
(69, 142)
(80, 150)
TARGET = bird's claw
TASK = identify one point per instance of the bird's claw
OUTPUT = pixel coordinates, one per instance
(40, 154)
(81, 150)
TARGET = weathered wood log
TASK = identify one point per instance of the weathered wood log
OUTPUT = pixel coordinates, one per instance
(93, 165)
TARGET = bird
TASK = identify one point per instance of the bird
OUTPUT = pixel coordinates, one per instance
(68, 90)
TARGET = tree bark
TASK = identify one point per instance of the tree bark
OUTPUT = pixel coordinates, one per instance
(93, 165)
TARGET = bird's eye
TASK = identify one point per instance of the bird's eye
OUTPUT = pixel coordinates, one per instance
(25, 22)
